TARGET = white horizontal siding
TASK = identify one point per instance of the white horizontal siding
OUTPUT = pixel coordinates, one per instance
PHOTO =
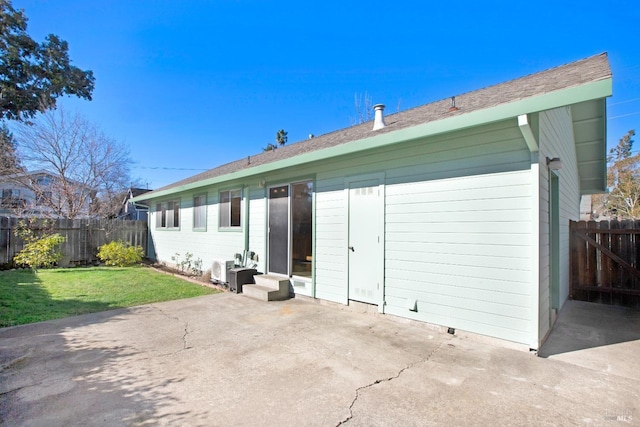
(204, 246)
(331, 243)
(457, 230)
(453, 260)
(463, 249)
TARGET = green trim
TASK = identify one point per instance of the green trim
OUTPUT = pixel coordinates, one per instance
(245, 221)
(237, 229)
(314, 224)
(597, 181)
(547, 101)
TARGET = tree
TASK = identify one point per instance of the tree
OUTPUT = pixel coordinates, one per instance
(9, 162)
(281, 137)
(281, 140)
(33, 75)
(623, 179)
(364, 108)
(88, 172)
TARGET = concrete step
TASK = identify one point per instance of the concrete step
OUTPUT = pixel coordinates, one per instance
(268, 288)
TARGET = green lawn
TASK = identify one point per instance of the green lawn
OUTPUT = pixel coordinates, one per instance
(27, 297)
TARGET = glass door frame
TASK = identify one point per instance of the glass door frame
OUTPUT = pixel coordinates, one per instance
(290, 185)
(288, 232)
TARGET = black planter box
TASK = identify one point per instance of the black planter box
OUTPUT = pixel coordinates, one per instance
(240, 276)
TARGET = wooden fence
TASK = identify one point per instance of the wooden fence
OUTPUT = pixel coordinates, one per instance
(605, 262)
(84, 236)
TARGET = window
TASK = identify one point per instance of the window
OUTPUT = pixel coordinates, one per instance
(168, 214)
(43, 180)
(200, 212)
(11, 199)
(301, 228)
(161, 216)
(10, 194)
(230, 208)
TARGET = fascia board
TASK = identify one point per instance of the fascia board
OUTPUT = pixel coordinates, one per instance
(547, 101)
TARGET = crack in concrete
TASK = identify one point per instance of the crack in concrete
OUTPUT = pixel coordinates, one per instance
(378, 381)
(13, 363)
(185, 334)
(185, 343)
(17, 389)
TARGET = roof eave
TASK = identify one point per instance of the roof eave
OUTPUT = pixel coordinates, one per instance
(590, 134)
(568, 96)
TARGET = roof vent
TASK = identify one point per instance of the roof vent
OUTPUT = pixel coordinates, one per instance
(453, 104)
(378, 119)
(311, 136)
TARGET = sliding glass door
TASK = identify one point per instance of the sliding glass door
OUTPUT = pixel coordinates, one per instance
(290, 220)
(301, 227)
(279, 230)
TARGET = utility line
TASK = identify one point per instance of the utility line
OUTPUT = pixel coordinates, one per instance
(623, 115)
(169, 168)
(624, 102)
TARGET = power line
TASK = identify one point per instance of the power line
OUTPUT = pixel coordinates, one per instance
(624, 102)
(169, 168)
(623, 115)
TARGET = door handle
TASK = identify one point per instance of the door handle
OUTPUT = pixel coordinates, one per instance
(351, 249)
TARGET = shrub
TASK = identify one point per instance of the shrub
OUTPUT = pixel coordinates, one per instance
(41, 253)
(120, 254)
(189, 265)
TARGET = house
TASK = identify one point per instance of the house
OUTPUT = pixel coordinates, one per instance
(42, 193)
(131, 210)
(454, 213)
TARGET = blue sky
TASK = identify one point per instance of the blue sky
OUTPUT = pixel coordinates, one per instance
(190, 85)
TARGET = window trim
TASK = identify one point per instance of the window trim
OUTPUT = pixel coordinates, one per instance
(227, 226)
(170, 213)
(204, 214)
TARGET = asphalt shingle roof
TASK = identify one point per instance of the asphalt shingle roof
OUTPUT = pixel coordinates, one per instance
(584, 71)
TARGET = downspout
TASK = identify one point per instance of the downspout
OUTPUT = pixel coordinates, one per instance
(313, 240)
(246, 192)
(524, 124)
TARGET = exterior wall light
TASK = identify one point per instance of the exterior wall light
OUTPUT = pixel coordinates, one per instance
(555, 164)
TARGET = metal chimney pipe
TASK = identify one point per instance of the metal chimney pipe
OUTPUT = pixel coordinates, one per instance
(378, 119)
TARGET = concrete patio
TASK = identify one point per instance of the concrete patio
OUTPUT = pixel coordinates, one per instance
(230, 360)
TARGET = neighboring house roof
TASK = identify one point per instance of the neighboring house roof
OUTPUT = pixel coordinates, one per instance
(138, 191)
(134, 192)
(15, 178)
(585, 81)
(25, 173)
(128, 199)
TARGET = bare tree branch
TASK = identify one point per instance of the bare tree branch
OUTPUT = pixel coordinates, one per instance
(88, 171)
(364, 108)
